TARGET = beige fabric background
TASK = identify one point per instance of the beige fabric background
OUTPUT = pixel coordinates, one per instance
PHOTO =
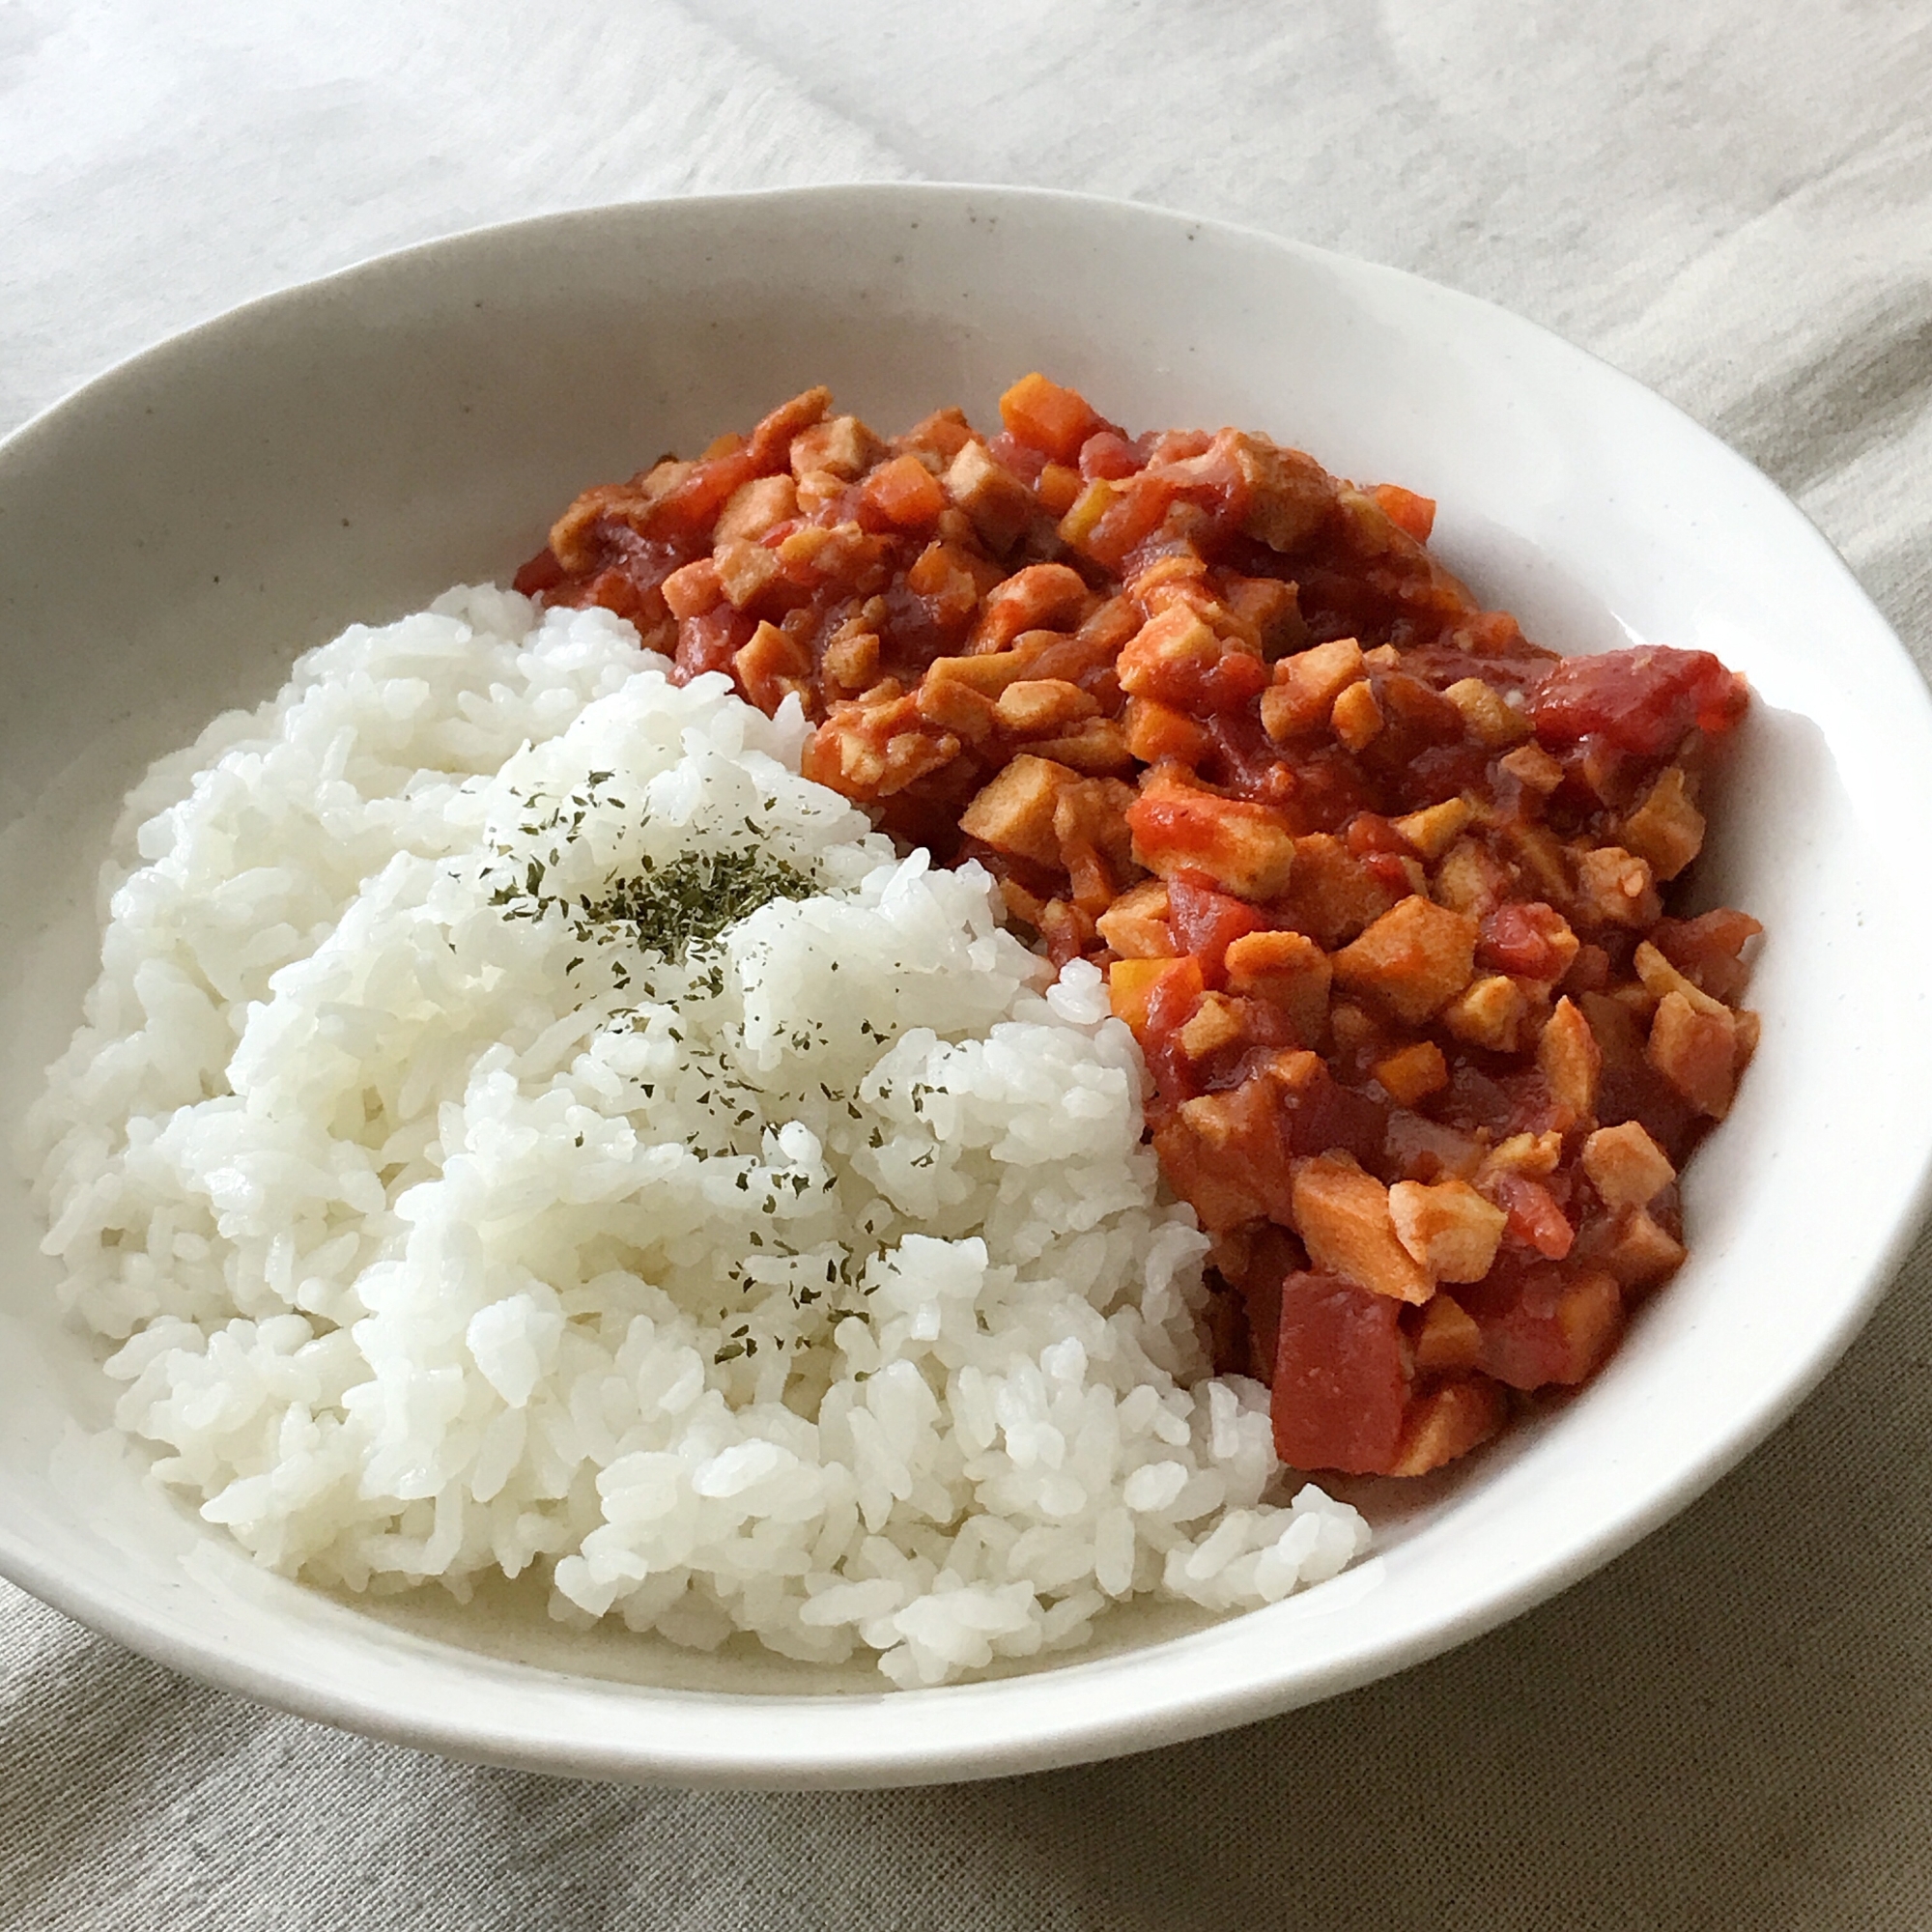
(1732, 1726)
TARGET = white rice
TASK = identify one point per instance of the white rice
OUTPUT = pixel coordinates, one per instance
(821, 1289)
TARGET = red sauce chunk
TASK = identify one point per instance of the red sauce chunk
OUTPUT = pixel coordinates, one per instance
(1383, 888)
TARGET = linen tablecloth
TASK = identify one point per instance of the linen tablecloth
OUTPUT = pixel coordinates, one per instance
(1732, 1726)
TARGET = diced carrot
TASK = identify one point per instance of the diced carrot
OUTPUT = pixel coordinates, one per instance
(905, 491)
(1413, 1072)
(1405, 509)
(1083, 516)
(1047, 417)
(1058, 488)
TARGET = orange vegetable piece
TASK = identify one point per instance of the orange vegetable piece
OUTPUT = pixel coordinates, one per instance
(1406, 510)
(1058, 488)
(1046, 417)
(1413, 1072)
(1130, 985)
(905, 491)
(1448, 1422)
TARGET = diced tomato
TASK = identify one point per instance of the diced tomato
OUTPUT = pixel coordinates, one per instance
(1245, 758)
(1643, 700)
(1131, 983)
(543, 572)
(1532, 941)
(1534, 1217)
(1171, 1002)
(618, 590)
(1709, 949)
(691, 507)
(1048, 418)
(1174, 446)
(711, 643)
(1542, 1323)
(1233, 1168)
(1387, 870)
(1109, 457)
(1132, 513)
(1321, 1116)
(1206, 923)
(1370, 831)
(1341, 1386)
(1019, 458)
(1238, 678)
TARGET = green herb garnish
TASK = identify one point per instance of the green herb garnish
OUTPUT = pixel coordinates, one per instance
(683, 907)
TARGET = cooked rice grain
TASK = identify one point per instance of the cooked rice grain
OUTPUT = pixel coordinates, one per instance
(816, 1285)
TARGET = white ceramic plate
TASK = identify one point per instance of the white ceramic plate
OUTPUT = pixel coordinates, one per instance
(173, 534)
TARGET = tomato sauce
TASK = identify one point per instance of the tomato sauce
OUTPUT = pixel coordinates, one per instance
(1379, 885)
